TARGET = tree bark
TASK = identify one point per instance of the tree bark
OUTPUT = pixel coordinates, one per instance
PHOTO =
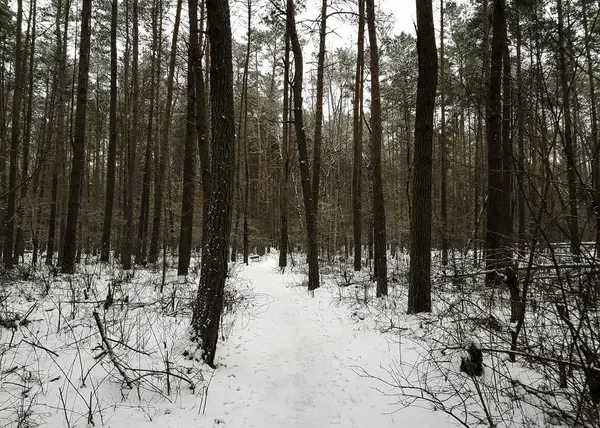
(159, 187)
(309, 208)
(419, 292)
(209, 302)
(112, 141)
(357, 133)
(285, 158)
(9, 223)
(78, 159)
(191, 136)
(379, 227)
(495, 217)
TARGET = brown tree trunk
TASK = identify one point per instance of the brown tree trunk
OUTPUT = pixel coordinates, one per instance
(567, 135)
(146, 178)
(285, 158)
(309, 208)
(78, 159)
(191, 136)
(444, 167)
(507, 152)
(419, 291)
(209, 302)
(9, 223)
(112, 139)
(126, 254)
(31, 35)
(159, 187)
(357, 132)
(58, 154)
(379, 232)
(495, 217)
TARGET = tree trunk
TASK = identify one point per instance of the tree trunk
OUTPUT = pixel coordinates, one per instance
(285, 158)
(507, 152)
(419, 292)
(495, 217)
(444, 167)
(379, 232)
(309, 208)
(9, 224)
(357, 132)
(209, 302)
(191, 136)
(78, 159)
(567, 135)
(159, 187)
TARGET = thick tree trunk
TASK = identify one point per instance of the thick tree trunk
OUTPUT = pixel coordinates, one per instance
(309, 208)
(78, 159)
(419, 292)
(357, 133)
(209, 302)
(379, 232)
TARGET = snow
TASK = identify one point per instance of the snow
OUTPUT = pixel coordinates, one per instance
(289, 359)
(295, 363)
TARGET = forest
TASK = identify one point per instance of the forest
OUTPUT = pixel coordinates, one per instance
(303, 213)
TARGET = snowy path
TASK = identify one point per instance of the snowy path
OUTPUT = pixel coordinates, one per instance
(291, 364)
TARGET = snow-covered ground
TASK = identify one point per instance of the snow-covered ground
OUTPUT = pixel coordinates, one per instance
(289, 359)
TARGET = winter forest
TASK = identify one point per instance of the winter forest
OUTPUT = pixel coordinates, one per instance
(279, 213)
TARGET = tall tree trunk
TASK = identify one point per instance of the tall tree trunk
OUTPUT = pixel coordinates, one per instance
(285, 158)
(159, 188)
(78, 159)
(202, 125)
(318, 139)
(379, 233)
(419, 292)
(357, 133)
(594, 135)
(9, 223)
(20, 239)
(443, 154)
(309, 206)
(567, 134)
(520, 142)
(58, 155)
(146, 177)
(244, 119)
(112, 141)
(126, 254)
(191, 136)
(209, 302)
(507, 151)
(495, 222)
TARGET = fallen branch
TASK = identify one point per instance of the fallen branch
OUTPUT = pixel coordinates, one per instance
(111, 352)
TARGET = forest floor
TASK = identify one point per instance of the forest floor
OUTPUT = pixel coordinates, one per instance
(288, 359)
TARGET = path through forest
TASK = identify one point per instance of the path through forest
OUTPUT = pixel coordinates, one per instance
(292, 363)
